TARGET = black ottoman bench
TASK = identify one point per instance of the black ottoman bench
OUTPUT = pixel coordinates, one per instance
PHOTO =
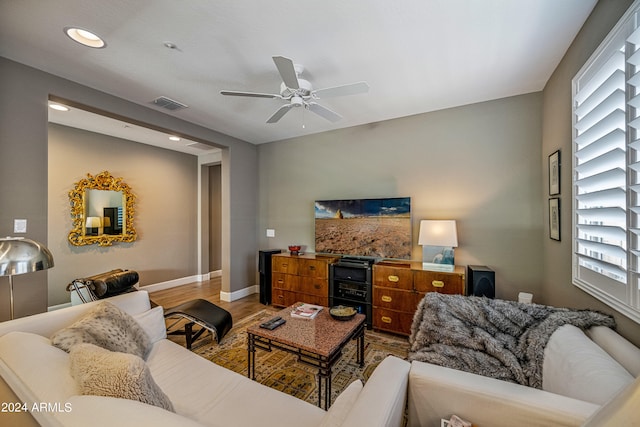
(204, 313)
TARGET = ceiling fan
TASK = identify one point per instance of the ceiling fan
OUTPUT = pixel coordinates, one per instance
(299, 92)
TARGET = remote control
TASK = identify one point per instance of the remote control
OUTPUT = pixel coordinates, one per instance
(273, 323)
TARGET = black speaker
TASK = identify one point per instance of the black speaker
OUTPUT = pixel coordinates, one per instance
(264, 268)
(481, 281)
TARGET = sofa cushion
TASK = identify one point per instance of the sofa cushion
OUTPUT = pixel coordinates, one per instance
(41, 369)
(100, 411)
(343, 404)
(101, 372)
(627, 354)
(213, 395)
(575, 366)
(108, 327)
(152, 321)
(382, 400)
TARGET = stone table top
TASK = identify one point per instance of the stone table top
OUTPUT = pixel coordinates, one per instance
(322, 335)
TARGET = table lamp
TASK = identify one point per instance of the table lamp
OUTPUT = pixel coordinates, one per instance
(106, 225)
(93, 224)
(438, 238)
(19, 256)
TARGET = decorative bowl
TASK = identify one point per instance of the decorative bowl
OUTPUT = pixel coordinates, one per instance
(342, 312)
(294, 249)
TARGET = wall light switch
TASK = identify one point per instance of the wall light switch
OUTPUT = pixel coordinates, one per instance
(19, 225)
(271, 232)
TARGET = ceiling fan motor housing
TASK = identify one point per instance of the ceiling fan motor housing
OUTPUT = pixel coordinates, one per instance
(297, 101)
(304, 91)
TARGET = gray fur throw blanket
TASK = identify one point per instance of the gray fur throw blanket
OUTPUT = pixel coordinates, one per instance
(494, 338)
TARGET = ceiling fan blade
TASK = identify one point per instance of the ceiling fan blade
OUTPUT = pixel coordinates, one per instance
(279, 113)
(249, 94)
(332, 116)
(349, 89)
(287, 71)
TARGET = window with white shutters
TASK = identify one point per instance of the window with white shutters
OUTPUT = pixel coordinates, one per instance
(606, 170)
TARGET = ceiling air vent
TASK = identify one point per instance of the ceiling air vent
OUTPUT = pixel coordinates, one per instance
(168, 103)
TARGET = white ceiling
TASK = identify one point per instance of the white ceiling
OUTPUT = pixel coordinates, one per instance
(416, 55)
(82, 119)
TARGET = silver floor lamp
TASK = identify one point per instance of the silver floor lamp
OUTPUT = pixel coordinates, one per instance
(19, 256)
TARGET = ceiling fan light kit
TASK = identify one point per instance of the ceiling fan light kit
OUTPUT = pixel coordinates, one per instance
(299, 92)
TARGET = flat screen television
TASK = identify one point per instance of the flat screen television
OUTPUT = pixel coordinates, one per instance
(379, 228)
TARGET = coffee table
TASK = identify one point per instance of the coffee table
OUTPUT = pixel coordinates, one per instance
(317, 342)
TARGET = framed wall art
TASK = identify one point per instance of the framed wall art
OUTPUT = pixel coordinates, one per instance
(554, 218)
(554, 173)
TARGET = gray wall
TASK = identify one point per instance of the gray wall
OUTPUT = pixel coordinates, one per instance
(166, 203)
(557, 134)
(477, 164)
(24, 92)
(215, 218)
(23, 176)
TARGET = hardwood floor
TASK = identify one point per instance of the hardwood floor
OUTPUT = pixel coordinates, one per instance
(209, 290)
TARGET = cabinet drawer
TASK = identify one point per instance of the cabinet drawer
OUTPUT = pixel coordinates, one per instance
(314, 286)
(284, 281)
(393, 277)
(434, 281)
(284, 265)
(396, 299)
(282, 298)
(392, 321)
(313, 268)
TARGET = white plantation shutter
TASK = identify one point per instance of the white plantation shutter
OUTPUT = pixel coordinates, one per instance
(606, 170)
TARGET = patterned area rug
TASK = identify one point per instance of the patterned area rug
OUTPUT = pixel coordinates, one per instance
(281, 370)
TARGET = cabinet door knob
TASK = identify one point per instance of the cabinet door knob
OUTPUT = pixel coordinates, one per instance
(393, 278)
(280, 281)
(312, 267)
(437, 284)
(285, 265)
(386, 298)
(317, 286)
(386, 319)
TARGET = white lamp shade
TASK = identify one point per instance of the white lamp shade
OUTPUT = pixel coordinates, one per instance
(438, 233)
(93, 222)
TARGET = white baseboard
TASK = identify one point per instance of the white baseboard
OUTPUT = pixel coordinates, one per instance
(233, 296)
(176, 282)
(224, 296)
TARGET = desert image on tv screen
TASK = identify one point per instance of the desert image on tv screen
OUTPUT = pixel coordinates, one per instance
(364, 227)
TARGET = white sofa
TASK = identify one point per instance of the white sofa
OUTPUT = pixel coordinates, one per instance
(589, 379)
(34, 372)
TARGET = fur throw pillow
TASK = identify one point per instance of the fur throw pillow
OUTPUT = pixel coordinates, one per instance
(101, 372)
(108, 327)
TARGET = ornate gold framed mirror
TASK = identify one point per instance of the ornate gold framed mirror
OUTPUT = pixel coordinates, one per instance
(102, 211)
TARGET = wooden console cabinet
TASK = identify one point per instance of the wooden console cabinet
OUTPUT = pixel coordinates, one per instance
(398, 287)
(303, 278)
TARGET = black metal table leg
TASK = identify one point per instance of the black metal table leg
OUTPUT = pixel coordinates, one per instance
(319, 377)
(361, 349)
(251, 355)
(327, 390)
(324, 377)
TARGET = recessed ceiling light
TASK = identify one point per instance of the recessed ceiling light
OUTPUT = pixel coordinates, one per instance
(174, 138)
(84, 37)
(58, 107)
